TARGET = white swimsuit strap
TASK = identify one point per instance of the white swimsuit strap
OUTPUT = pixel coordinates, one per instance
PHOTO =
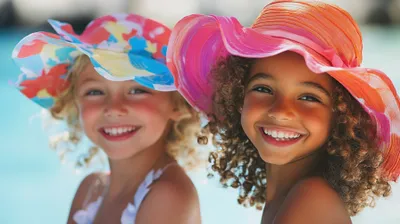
(145, 186)
(129, 215)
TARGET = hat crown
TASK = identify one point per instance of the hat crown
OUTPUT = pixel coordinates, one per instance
(327, 25)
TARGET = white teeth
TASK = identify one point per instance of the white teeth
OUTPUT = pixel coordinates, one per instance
(280, 135)
(118, 131)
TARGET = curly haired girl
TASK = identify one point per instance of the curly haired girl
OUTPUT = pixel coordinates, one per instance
(299, 126)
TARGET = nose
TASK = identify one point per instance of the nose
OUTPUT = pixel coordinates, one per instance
(115, 107)
(282, 110)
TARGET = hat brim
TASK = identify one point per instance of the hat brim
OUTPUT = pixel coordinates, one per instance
(199, 41)
(140, 60)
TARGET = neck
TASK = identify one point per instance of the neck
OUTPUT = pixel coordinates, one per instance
(127, 174)
(281, 178)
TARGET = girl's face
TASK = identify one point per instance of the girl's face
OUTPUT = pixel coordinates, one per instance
(287, 109)
(123, 118)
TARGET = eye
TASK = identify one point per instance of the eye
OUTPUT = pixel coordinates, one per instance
(137, 91)
(94, 92)
(310, 98)
(262, 89)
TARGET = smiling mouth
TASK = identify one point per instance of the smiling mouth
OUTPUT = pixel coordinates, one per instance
(119, 131)
(280, 135)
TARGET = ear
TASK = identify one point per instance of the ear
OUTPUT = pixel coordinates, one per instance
(240, 109)
(176, 114)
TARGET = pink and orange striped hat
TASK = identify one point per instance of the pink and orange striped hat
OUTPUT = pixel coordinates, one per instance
(325, 35)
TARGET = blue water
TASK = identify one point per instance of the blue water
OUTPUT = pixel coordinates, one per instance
(36, 188)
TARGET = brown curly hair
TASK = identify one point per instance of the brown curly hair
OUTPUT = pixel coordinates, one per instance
(181, 141)
(352, 158)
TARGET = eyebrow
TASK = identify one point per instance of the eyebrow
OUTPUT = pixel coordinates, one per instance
(317, 86)
(259, 76)
(265, 76)
(90, 79)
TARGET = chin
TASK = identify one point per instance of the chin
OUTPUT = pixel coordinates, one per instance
(118, 157)
(273, 158)
(119, 153)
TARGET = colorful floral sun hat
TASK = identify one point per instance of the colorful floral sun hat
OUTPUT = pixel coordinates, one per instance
(325, 35)
(120, 46)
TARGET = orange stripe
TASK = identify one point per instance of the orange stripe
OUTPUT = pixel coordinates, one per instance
(360, 89)
(391, 164)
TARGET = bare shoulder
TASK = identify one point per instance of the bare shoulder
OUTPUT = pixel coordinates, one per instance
(173, 198)
(82, 192)
(312, 200)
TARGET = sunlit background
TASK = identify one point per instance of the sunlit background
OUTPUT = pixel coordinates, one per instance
(36, 188)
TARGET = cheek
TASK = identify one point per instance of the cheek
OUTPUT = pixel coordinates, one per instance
(318, 121)
(154, 115)
(255, 104)
(88, 114)
(252, 111)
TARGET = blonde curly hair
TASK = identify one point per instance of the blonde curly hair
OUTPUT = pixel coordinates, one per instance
(352, 158)
(182, 142)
